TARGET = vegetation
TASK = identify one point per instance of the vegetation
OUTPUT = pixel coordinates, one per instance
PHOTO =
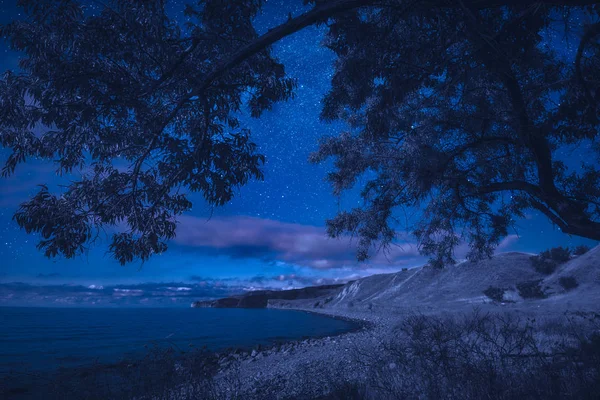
(487, 356)
(559, 254)
(568, 282)
(495, 293)
(547, 261)
(580, 250)
(543, 265)
(531, 290)
(472, 356)
(459, 112)
(456, 107)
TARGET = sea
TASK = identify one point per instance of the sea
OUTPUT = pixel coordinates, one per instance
(34, 339)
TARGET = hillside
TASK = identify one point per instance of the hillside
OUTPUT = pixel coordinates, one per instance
(464, 284)
(260, 298)
(425, 286)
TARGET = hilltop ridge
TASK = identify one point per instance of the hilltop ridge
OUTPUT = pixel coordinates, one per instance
(455, 285)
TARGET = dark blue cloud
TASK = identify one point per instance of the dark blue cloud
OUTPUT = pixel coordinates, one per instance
(52, 275)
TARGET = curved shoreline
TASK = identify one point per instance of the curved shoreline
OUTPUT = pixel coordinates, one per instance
(362, 323)
(241, 353)
(224, 356)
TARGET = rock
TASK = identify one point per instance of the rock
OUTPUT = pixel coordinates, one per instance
(253, 353)
(392, 366)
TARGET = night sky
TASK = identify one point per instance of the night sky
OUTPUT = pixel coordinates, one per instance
(272, 233)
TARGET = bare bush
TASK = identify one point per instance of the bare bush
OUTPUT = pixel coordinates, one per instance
(491, 356)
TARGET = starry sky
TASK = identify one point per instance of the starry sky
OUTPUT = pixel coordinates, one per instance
(270, 235)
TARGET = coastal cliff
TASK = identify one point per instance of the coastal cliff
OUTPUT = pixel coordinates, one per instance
(260, 298)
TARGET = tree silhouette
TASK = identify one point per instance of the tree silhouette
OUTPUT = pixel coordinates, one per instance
(461, 112)
(450, 104)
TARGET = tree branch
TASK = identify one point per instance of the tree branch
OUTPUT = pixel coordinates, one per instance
(521, 186)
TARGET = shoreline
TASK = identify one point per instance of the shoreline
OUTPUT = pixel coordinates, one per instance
(290, 360)
(28, 382)
(362, 323)
(132, 358)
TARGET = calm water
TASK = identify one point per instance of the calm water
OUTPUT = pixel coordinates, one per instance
(47, 338)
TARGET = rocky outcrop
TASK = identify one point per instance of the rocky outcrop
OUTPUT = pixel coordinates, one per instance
(260, 298)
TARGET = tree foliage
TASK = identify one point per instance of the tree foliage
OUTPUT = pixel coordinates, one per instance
(461, 112)
(110, 94)
(457, 107)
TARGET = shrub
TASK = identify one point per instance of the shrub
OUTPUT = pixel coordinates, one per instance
(543, 265)
(558, 254)
(531, 290)
(488, 356)
(568, 282)
(547, 261)
(579, 250)
(494, 293)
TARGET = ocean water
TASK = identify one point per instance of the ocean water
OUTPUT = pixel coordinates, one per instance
(48, 338)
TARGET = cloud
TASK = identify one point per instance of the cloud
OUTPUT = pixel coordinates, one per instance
(153, 293)
(52, 275)
(269, 240)
(507, 243)
(293, 280)
(146, 294)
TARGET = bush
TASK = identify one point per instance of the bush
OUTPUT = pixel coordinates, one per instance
(495, 293)
(543, 265)
(547, 261)
(558, 254)
(579, 250)
(568, 282)
(489, 356)
(531, 290)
